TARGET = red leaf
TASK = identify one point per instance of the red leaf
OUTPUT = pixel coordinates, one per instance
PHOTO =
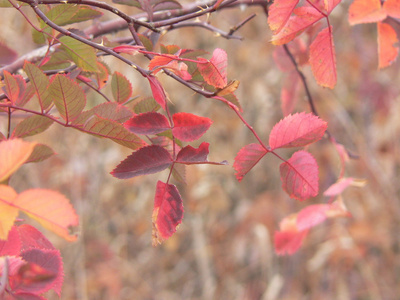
(342, 184)
(167, 212)
(392, 8)
(279, 13)
(189, 127)
(247, 158)
(304, 17)
(147, 123)
(33, 238)
(288, 242)
(323, 58)
(366, 11)
(7, 55)
(297, 130)
(189, 155)
(11, 246)
(158, 91)
(299, 176)
(214, 71)
(146, 160)
(121, 88)
(387, 38)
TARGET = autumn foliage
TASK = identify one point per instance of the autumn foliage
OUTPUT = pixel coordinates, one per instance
(55, 87)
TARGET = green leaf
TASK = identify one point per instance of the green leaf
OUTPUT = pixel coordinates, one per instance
(147, 43)
(83, 55)
(146, 105)
(40, 153)
(31, 125)
(68, 97)
(58, 60)
(102, 74)
(40, 83)
(114, 131)
(121, 88)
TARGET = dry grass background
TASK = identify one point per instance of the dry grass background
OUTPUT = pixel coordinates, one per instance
(223, 249)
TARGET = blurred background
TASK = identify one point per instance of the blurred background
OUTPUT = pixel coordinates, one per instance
(224, 247)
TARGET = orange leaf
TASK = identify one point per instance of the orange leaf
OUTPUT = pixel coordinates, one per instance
(392, 8)
(366, 11)
(49, 208)
(323, 58)
(13, 154)
(8, 213)
(386, 39)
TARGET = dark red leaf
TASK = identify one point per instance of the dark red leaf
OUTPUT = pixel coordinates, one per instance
(167, 212)
(147, 123)
(297, 130)
(189, 127)
(247, 158)
(7, 55)
(158, 91)
(146, 160)
(189, 155)
(299, 176)
(43, 272)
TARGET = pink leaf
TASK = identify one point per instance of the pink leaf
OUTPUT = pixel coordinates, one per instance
(323, 58)
(312, 215)
(158, 91)
(214, 71)
(247, 158)
(128, 49)
(299, 176)
(147, 123)
(12, 245)
(167, 212)
(279, 13)
(338, 187)
(297, 130)
(288, 242)
(303, 18)
(189, 127)
(146, 160)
